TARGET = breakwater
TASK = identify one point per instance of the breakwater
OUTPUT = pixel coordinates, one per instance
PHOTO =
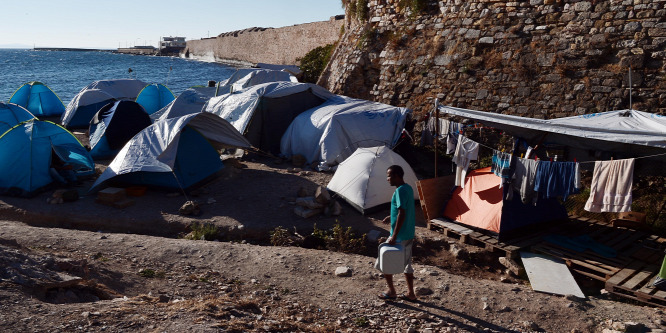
(282, 46)
(535, 58)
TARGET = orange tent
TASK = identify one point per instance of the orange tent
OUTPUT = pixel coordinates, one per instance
(480, 204)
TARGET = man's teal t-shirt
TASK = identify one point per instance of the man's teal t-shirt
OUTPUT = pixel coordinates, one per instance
(403, 197)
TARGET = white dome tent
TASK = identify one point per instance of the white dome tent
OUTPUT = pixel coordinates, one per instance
(361, 178)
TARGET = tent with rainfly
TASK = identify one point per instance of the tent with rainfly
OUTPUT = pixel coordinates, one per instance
(263, 112)
(115, 124)
(39, 99)
(482, 204)
(176, 153)
(153, 97)
(26, 153)
(93, 97)
(192, 100)
(361, 178)
(331, 132)
(11, 115)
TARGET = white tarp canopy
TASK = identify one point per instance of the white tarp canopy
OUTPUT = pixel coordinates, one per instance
(99, 92)
(190, 101)
(154, 148)
(361, 178)
(330, 133)
(621, 130)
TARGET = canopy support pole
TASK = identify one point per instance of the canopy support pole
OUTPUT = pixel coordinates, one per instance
(436, 131)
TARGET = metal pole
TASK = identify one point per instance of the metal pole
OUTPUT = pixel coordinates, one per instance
(436, 131)
(630, 106)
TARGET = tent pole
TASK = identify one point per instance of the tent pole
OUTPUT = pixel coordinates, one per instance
(436, 131)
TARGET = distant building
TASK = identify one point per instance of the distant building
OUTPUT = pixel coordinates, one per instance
(171, 45)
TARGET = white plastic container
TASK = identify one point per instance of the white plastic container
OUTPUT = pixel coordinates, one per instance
(391, 258)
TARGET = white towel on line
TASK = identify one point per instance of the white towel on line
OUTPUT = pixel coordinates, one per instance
(610, 190)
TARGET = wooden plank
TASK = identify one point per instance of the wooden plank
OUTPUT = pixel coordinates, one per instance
(453, 226)
(640, 277)
(629, 241)
(434, 193)
(624, 274)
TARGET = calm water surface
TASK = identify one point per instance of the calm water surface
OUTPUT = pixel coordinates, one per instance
(67, 72)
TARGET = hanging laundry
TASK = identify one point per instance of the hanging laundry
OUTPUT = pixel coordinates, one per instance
(466, 151)
(452, 137)
(501, 166)
(610, 190)
(523, 179)
(555, 179)
(429, 133)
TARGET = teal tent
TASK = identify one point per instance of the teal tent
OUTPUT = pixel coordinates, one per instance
(11, 115)
(38, 99)
(154, 96)
(26, 153)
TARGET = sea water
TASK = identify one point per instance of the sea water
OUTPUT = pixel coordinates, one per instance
(67, 72)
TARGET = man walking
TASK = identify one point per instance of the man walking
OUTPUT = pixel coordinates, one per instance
(403, 224)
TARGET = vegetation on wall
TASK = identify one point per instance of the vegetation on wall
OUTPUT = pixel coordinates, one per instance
(415, 6)
(314, 62)
(357, 9)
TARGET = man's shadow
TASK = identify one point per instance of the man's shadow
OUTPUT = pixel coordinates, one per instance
(481, 324)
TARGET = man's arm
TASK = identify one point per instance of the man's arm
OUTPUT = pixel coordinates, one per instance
(398, 224)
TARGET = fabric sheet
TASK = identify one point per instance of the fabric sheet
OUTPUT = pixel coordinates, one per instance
(523, 179)
(610, 190)
(466, 151)
(554, 179)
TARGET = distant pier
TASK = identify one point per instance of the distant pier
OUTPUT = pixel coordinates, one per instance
(71, 49)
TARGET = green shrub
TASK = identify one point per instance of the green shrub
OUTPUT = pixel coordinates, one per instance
(151, 273)
(280, 236)
(202, 231)
(341, 239)
(314, 62)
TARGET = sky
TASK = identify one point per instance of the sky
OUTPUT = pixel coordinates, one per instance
(124, 23)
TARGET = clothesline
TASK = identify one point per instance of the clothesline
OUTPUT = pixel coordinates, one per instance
(586, 162)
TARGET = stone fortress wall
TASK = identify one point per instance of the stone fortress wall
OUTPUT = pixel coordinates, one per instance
(282, 46)
(535, 58)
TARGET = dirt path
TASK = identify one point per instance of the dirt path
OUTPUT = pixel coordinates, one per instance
(115, 281)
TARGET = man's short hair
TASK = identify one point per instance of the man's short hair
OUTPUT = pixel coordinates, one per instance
(397, 170)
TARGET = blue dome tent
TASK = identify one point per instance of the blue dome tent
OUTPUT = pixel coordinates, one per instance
(12, 115)
(38, 99)
(176, 153)
(26, 153)
(154, 96)
(115, 124)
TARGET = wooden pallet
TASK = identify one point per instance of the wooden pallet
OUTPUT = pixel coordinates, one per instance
(635, 282)
(470, 236)
(589, 263)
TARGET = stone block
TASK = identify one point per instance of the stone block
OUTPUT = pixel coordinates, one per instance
(111, 194)
(583, 6)
(305, 212)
